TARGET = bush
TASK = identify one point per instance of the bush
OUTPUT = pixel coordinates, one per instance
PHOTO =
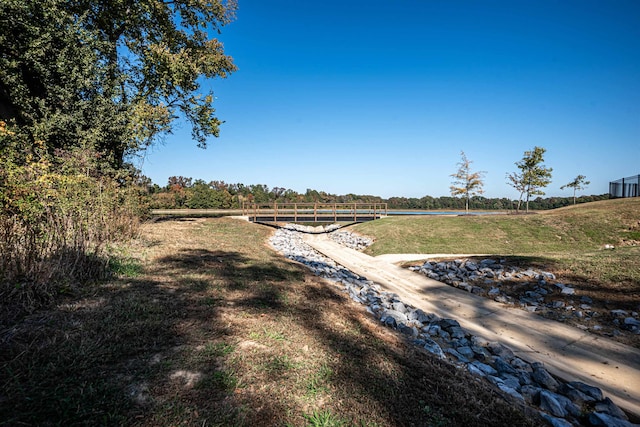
(58, 216)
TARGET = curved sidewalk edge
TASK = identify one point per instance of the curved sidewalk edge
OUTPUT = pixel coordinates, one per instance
(567, 352)
(397, 258)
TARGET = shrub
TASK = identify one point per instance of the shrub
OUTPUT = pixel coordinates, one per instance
(58, 216)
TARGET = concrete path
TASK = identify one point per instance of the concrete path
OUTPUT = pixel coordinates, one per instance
(567, 352)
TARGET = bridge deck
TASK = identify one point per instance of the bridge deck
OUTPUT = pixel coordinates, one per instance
(315, 212)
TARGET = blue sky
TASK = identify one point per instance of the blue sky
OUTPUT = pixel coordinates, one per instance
(379, 97)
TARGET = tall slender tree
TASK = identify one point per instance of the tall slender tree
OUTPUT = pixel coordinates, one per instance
(514, 179)
(466, 183)
(533, 176)
(579, 183)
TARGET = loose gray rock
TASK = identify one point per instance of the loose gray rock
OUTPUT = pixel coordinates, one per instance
(396, 315)
(487, 369)
(492, 360)
(542, 377)
(510, 391)
(410, 331)
(501, 350)
(597, 419)
(448, 323)
(457, 355)
(593, 393)
(555, 422)
(530, 393)
(456, 332)
(432, 347)
(503, 367)
(608, 407)
(479, 341)
(550, 404)
(619, 313)
(466, 351)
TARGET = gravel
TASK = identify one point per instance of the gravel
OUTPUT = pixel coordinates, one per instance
(559, 403)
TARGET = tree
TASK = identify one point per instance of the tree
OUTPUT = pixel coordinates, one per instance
(50, 72)
(533, 176)
(515, 180)
(579, 183)
(114, 75)
(466, 183)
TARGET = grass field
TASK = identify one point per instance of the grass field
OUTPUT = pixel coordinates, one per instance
(207, 326)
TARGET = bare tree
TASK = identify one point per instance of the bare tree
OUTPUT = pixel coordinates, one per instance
(466, 183)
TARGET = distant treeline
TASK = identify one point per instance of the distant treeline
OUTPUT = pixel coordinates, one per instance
(182, 192)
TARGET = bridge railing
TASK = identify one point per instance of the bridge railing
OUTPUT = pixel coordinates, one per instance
(314, 212)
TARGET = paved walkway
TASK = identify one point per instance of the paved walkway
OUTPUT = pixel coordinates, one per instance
(567, 352)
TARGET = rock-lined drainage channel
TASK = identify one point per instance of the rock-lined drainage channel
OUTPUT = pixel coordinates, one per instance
(559, 403)
(540, 292)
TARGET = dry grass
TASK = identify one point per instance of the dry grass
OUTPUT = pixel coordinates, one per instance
(215, 328)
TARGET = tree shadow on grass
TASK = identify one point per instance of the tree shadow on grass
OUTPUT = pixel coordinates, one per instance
(100, 357)
(162, 349)
(391, 377)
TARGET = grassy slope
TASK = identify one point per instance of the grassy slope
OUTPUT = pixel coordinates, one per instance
(583, 227)
(569, 239)
(211, 327)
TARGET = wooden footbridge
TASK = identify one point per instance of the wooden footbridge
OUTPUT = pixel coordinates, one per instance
(314, 212)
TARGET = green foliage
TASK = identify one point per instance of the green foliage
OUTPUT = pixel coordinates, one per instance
(156, 54)
(201, 196)
(181, 192)
(317, 382)
(579, 183)
(84, 84)
(224, 380)
(57, 217)
(533, 176)
(125, 267)
(109, 75)
(324, 419)
(50, 80)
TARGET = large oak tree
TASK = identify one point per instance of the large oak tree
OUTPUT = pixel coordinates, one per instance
(110, 74)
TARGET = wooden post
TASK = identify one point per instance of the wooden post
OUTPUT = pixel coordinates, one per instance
(335, 213)
(315, 212)
(295, 212)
